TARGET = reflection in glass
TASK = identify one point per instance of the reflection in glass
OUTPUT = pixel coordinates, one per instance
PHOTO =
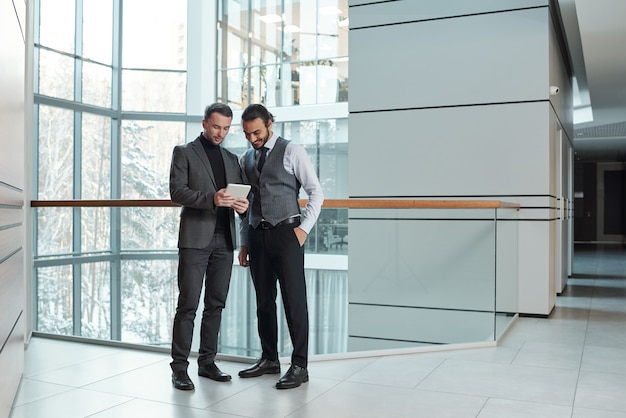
(308, 41)
(154, 91)
(265, 85)
(233, 88)
(155, 34)
(327, 300)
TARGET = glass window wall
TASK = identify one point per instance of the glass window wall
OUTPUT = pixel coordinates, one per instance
(113, 98)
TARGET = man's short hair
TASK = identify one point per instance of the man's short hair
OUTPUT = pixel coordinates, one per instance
(220, 108)
(255, 111)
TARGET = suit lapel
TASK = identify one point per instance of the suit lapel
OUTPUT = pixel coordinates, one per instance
(201, 153)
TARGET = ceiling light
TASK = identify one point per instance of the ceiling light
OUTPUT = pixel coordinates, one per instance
(291, 29)
(270, 18)
(583, 114)
(330, 10)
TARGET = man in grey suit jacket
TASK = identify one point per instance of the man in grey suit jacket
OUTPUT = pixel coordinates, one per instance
(199, 174)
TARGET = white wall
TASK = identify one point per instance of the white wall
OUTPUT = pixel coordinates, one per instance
(12, 126)
(451, 100)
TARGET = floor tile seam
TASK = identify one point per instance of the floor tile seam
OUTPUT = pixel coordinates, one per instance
(65, 392)
(517, 367)
(614, 347)
(305, 404)
(356, 371)
(121, 372)
(66, 389)
(590, 310)
(372, 384)
(605, 372)
(109, 408)
(534, 402)
(518, 398)
(427, 375)
(164, 403)
(72, 364)
(235, 393)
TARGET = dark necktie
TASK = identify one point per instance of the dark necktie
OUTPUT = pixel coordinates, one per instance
(262, 158)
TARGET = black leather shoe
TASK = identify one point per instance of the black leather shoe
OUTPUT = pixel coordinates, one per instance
(294, 377)
(261, 367)
(181, 381)
(213, 372)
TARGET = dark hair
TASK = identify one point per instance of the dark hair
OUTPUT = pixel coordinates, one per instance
(255, 111)
(220, 108)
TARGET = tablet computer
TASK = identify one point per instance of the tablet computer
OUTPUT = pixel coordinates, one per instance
(238, 190)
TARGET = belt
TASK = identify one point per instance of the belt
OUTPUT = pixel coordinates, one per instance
(289, 221)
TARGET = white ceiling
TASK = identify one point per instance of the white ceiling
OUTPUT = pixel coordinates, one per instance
(596, 36)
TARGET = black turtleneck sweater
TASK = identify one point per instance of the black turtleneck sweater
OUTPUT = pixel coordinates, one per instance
(219, 173)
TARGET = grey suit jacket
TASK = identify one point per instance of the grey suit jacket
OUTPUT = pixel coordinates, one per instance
(192, 186)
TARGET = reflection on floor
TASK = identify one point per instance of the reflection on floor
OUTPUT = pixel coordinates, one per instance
(570, 365)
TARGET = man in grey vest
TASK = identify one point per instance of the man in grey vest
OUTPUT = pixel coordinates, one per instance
(272, 240)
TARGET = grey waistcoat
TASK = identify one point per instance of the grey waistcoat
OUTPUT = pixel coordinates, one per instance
(275, 190)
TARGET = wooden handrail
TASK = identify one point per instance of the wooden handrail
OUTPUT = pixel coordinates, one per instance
(328, 203)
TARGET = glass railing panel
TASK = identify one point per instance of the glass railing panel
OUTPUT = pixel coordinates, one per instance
(434, 269)
(507, 240)
(405, 278)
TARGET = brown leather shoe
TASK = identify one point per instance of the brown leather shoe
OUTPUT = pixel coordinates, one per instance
(213, 372)
(261, 367)
(181, 380)
(294, 377)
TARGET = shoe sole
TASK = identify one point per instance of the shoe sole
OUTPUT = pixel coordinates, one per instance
(220, 379)
(192, 387)
(271, 371)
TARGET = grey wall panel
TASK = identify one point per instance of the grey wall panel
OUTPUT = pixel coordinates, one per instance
(374, 12)
(492, 58)
(12, 125)
(10, 215)
(11, 364)
(459, 151)
(12, 59)
(563, 102)
(419, 325)
(11, 294)
(10, 240)
(10, 196)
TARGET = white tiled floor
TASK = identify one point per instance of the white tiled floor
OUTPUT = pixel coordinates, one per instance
(570, 365)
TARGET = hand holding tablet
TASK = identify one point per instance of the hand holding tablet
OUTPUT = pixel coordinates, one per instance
(238, 190)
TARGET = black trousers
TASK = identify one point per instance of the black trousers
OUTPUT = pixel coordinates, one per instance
(213, 266)
(276, 255)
